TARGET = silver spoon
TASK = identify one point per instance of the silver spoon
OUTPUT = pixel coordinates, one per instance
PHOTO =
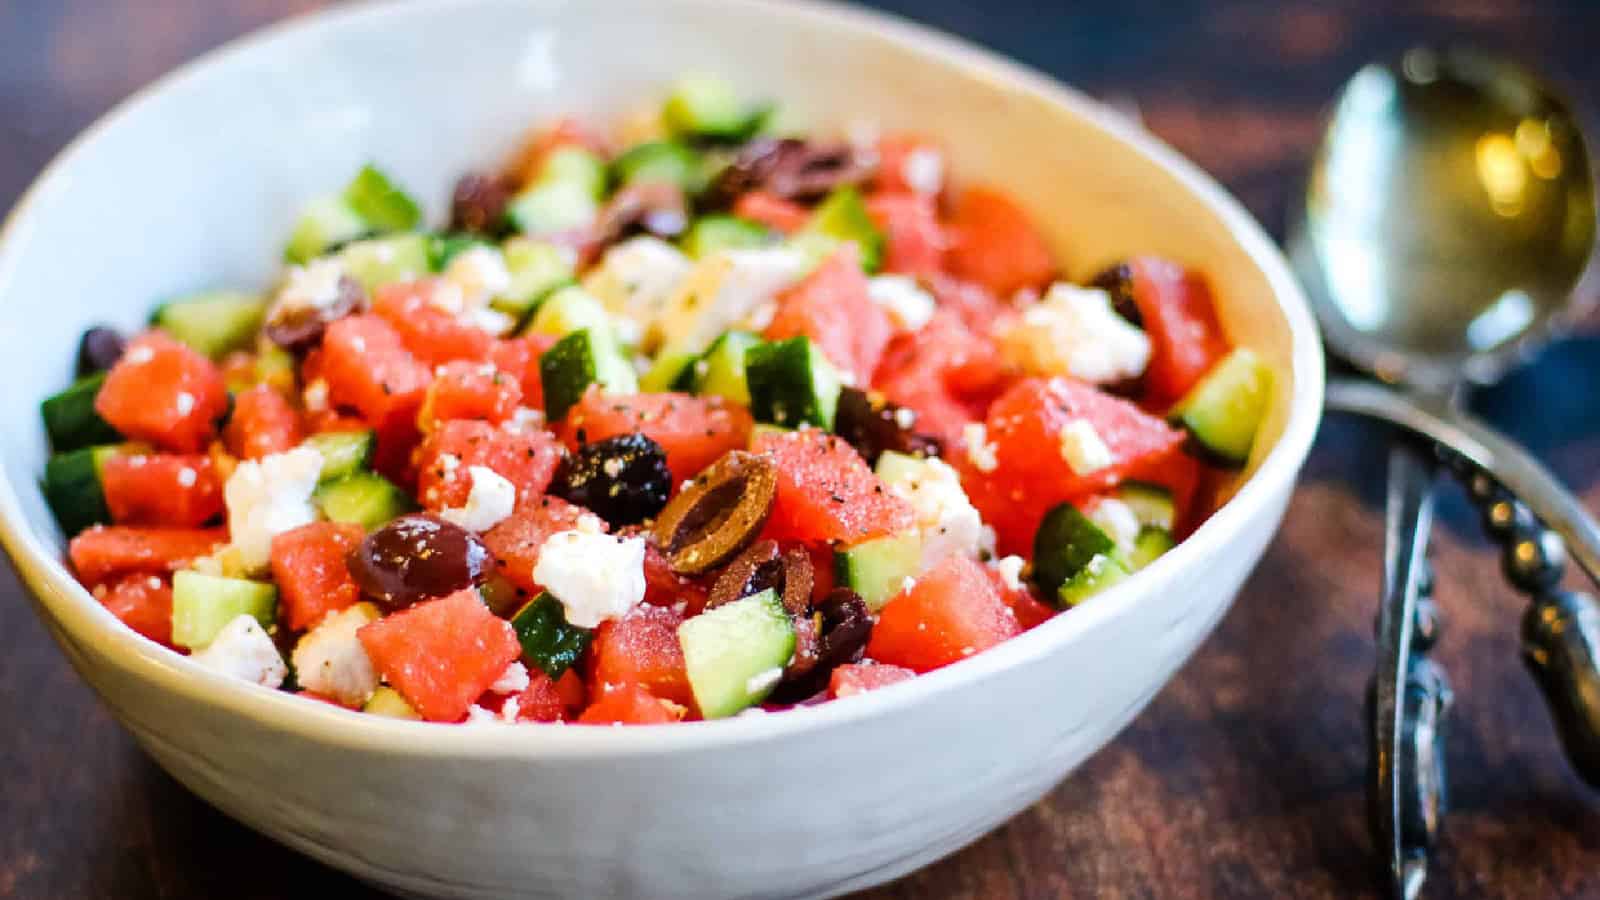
(1449, 218)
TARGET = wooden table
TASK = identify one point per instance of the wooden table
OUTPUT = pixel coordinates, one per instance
(1243, 779)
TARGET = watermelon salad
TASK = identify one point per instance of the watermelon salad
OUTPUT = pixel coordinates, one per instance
(697, 419)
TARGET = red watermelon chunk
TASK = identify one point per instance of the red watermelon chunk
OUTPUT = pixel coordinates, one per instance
(178, 490)
(694, 431)
(664, 587)
(105, 551)
(1028, 608)
(368, 369)
(994, 243)
(642, 648)
(519, 358)
(773, 211)
(470, 390)
(263, 422)
(894, 152)
(631, 704)
(826, 492)
(1186, 339)
(143, 603)
(441, 654)
(516, 541)
(832, 307)
(914, 240)
(433, 335)
(952, 612)
(858, 678)
(540, 701)
(308, 563)
(1025, 426)
(163, 392)
(525, 456)
(944, 372)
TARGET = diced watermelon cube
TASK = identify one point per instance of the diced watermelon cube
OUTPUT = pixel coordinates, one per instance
(833, 308)
(177, 490)
(105, 551)
(894, 151)
(308, 563)
(1178, 314)
(780, 215)
(630, 704)
(994, 243)
(950, 613)
(515, 542)
(368, 369)
(523, 455)
(664, 587)
(263, 422)
(858, 678)
(693, 431)
(944, 372)
(519, 357)
(163, 392)
(143, 603)
(441, 654)
(914, 239)
(642, 648)
(1025, 605)
(470, 390)
(433, 335)
(826, 492)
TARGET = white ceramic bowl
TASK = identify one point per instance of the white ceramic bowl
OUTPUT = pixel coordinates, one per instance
(195, 182)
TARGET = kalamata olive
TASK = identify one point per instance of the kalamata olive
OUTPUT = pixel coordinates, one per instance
(416, 557)
(761, 567)
(1117, 281)
(872, 425)
(99, 349)
(842, 624)
(622, 479)
(792, 169)
(300, 328)
(655, 207)
(718, 514)
(478, 204)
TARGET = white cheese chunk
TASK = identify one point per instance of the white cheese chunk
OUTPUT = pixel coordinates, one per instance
(244, 650)
(474, 277)
(1118, 521)
(314, 285)
(1010, 569)
(724, 290)
(949, 523)
(595, 576)
(908, 305)
(513, 680)
(1074, 331)
(330, 659)
(634, 281)
(923, 170)
(981, 452)
(267, 497)
(1083, 449)
(489, 502)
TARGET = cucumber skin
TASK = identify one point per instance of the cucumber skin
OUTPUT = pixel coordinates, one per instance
(578, 360)
(1223, 411)
(860, 569)
(791, 384)
(1066, 542)
(1100, 573)
(843, 216)
(379, 202)
(548, 641)
(365, 498)
(72, 488)
(70, 418)
(343, 452)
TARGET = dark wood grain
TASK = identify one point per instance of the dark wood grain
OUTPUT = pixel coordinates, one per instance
(1244, 778)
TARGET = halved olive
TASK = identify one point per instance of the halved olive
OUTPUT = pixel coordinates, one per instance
(416, 557)
(761, 567)
(839, 628)
(718, 514)
(299, 329)
(872, 425)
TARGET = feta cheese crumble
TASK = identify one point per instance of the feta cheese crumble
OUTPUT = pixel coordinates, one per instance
(243, 650)
(635, 279)
(267, 497)
(330, 659)
(981, 452)
(314, 285)
(1083, 449)
(923, 170)
(722, 291)
(513, 680)
(1010, 569)
(595, 576)
(474, 277)
(949, 524)
(1074, 331)
(1118, 521)
(908, 305)
(489, 502)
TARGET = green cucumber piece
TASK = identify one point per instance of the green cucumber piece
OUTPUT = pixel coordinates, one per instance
(378, 261)
(386, 701)
(343, 452)
(1150, 544)
(877, 569)
(718, 231)
(1099, 573)
(735, 654)
(843, 217)
(567, 310)
(380, 203)
(672, 370)
(792, 384)
(203, 604)
(537, 270)
(326, 223)
(1151, 503)
(73, 489)
(213, 323)
(70, 418)
(584, 357)
(707, 107)
(575, 165)
(552, 208)
(720, 372)
(893, 466)
(444, 247)
(548, 640)
(669, 161)
(1065, 544)
(366, 498)
(1225, 408)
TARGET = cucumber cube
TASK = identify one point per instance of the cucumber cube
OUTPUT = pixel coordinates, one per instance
(584, 357)
(366, 498)
(548, 640)
(792, 384)
(735, 654)
(213, 323)
(1066, 543)
(202, 604)
(70, 418)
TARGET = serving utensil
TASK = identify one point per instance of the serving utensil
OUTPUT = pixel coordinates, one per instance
(1449, 217)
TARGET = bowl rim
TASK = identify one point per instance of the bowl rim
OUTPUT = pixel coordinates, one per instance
(81, 619)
